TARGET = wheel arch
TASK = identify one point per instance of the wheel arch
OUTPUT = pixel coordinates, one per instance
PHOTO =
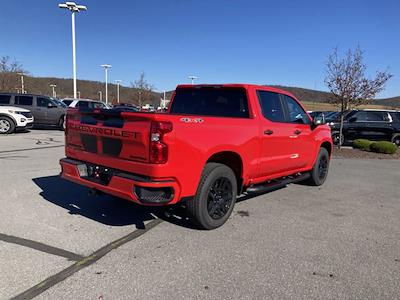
(233, 160)
(10, 117)
(328, 146)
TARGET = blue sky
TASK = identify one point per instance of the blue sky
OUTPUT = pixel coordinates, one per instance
(263, 42)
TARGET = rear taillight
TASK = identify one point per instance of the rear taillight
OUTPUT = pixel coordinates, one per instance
(158, 149)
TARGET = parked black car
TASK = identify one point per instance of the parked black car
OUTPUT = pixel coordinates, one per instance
(374, 125)
(45, 110)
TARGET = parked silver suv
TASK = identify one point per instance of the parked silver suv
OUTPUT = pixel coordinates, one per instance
(45, 110)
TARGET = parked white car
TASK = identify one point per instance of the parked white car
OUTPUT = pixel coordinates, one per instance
(14, 118)
(85, 103)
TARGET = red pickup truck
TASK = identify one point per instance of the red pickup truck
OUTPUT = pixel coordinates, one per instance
(215, 142)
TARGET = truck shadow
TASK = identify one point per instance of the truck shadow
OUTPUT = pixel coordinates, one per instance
(103, 209)
(110, 210)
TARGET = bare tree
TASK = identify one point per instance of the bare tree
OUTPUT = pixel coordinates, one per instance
(8, 73)
(349, 86)
(143, 89)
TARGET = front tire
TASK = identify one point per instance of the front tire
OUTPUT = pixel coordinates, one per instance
(320, 170)
(6, 125)
(215, 197)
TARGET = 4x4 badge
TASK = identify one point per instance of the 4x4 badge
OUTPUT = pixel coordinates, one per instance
(192, 120)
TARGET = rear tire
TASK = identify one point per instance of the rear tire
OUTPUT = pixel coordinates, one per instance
(320, 170)
(215, 197)
(6, 125)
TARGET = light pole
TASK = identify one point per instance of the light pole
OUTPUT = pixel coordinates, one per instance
(193, 78)
(106, 67)
(100, 95)
(79, 94)
(53, 86)
(74, 8)
(22, 83)
(118, 83)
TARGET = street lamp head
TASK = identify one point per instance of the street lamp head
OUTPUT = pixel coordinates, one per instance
(106, 66)
(81, 7)
(72, 6)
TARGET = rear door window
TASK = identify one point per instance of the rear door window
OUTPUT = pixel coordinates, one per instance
(211, 101)
(370, 116)
(377, 116)
(271, 106)
(24, 100)
(5, 99)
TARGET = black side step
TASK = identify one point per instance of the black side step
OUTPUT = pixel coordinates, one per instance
(275, 184)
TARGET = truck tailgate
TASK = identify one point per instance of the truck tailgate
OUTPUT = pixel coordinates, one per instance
(109, 133)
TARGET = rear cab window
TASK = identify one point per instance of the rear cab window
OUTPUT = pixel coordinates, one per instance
(211, 101)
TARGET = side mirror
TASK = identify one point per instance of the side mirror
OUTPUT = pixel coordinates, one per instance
(319, 120)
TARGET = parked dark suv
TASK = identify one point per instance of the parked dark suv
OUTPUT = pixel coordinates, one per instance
(45, 110)
(374, 125)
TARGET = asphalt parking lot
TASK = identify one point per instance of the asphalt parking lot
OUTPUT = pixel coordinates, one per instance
(338, 241)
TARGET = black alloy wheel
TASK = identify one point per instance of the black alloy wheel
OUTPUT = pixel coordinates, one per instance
(320, 170)
(219, 198)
